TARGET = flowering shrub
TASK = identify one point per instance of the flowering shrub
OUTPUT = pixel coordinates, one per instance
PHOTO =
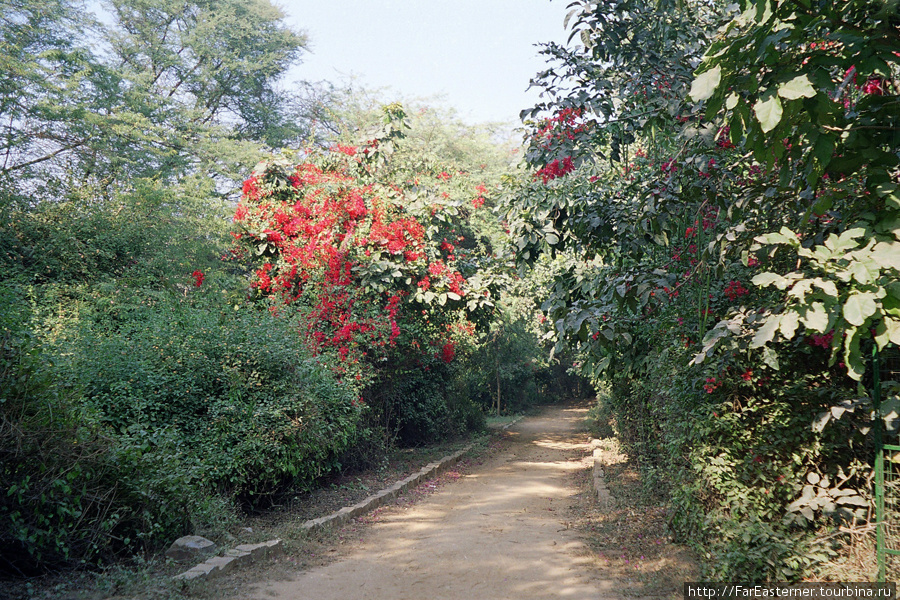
(376, 258)
(555, 169)
(349, 250)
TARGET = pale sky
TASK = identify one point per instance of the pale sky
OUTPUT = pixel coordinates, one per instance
(478, 55)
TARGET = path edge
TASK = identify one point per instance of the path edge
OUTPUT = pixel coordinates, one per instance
(249, 553)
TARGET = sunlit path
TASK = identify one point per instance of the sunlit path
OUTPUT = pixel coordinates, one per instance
(499, 532)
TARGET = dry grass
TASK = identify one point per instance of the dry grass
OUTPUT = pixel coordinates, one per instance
(855, 560)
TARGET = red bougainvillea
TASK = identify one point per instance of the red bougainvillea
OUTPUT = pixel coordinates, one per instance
(348, 253)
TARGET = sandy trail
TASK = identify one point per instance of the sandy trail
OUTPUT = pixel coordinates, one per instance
(497, 533)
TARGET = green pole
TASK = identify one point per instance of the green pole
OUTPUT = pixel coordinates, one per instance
(879, 466)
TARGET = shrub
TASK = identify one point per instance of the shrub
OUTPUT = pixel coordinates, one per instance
(73, 494)
(240, 395)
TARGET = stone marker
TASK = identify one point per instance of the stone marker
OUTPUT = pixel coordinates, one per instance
(189, 547)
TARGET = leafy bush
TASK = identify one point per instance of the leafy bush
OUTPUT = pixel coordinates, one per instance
(236, 389)
(73, 493)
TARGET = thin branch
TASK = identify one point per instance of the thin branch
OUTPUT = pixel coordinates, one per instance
(878, 127)
(43, 158)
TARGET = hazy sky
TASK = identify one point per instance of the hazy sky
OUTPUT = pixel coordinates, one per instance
(478, 54)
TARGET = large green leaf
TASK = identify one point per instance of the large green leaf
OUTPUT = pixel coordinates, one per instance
(816, 318)
(789, 322)
(768, 112)
(859, 307)
(887, 255)
(798, 87)
(766, 279)
(765, 333)
(705, 84)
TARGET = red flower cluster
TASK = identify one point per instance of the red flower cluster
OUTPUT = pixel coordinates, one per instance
(250, 189)
(198, 278)
(723, 140)
(561, 127)
(555, 169)
(874, 86)
(821, 340)
(343, 149)
(448, 352)
(478, 202)
(670, 166)
(735, 290)
(318, 238)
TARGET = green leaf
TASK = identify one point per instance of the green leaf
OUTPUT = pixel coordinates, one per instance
(768, 112)
(859, 307)
(816, 318)
(887, 255)
(826, 286)
(798, 87)
(766, 279)
(586, 38)
(765, 333)
(789, 322)
(847, 239)
(784, 236)
(888, 191)
(731, 101)
(882, 335)
(824, 149)
(856, 368)
(893, 330)
(770, 358)
(705, 84)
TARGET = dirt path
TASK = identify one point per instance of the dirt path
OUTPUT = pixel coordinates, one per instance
(498, 532)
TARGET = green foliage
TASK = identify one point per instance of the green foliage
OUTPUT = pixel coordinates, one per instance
(824, 81)
(757, 192)
(142, 396)
(174, 89)
(75, 495)
(384, 252)
(232, 387)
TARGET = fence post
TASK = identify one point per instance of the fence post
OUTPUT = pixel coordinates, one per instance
(879, 466)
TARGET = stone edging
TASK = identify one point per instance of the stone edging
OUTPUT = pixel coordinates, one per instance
(348, 513)
(243, 554)
(249, 553)
(600, 487)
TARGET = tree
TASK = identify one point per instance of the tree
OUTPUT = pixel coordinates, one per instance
(170, 81)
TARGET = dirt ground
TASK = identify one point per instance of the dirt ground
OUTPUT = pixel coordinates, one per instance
(500, 531)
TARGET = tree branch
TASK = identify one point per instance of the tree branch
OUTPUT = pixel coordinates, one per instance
(43, 158)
